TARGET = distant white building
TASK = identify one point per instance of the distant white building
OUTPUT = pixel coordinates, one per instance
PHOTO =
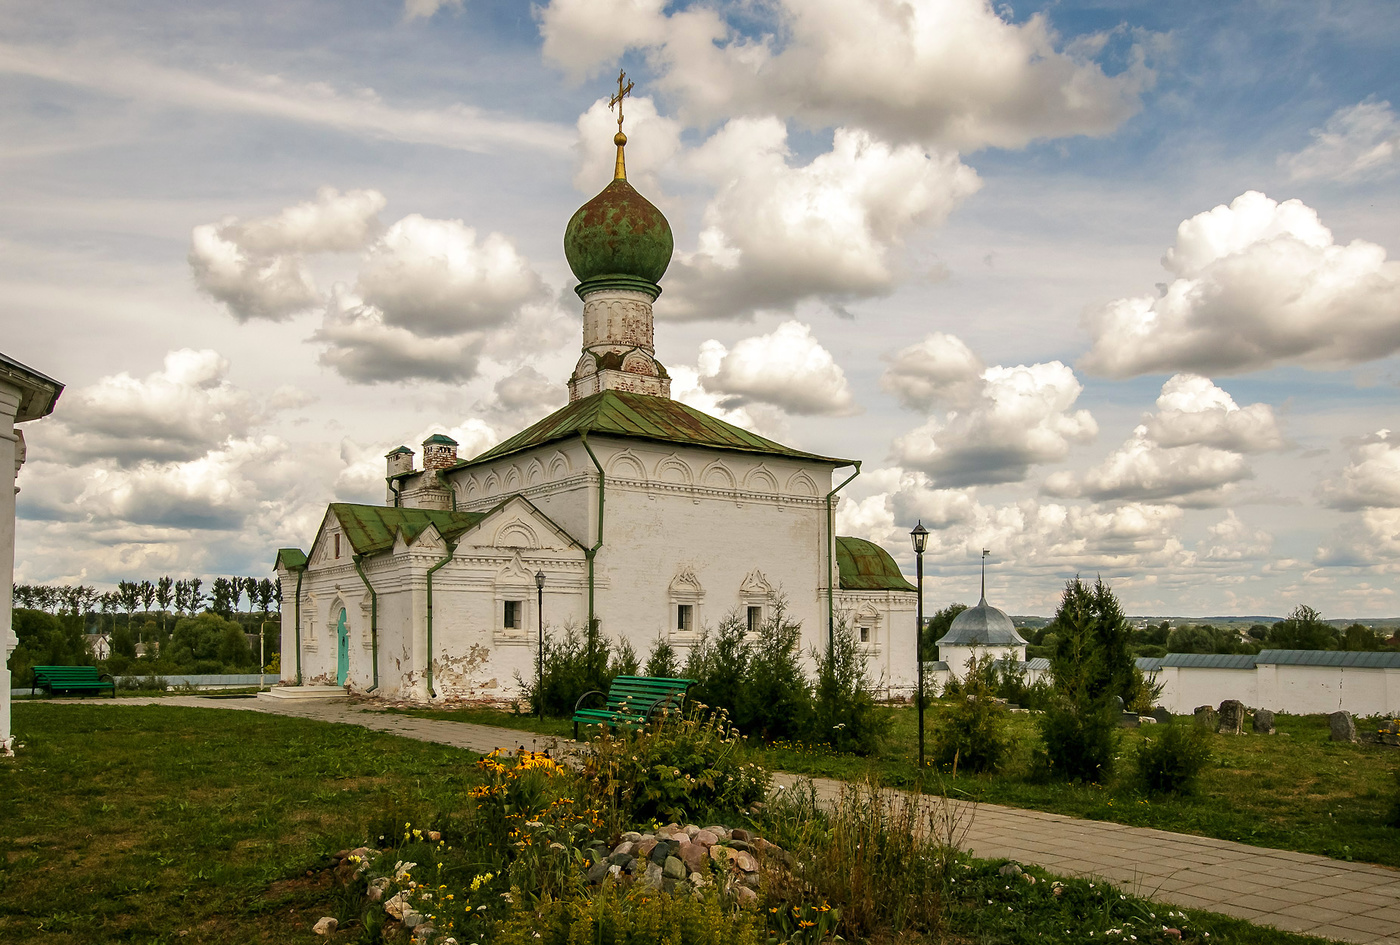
(25, 395)
(978, 632)
(624, 506)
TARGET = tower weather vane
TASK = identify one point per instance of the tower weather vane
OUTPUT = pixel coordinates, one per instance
(620, 139)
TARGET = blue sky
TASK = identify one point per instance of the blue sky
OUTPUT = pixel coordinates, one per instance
(1104, 287)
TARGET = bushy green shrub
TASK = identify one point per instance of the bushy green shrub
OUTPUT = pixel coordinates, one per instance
(683, 767)
(775, 701)
(1005, 679)
(844, 714)
(209, 644)
(662, 661)
(574, 663)
(1079, 742)
(1170, 760)
(46, 640)
(757, 679)
(973, 731)
(719, 663)
(624, 661)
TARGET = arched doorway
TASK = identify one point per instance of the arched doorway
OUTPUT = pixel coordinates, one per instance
(342, 650)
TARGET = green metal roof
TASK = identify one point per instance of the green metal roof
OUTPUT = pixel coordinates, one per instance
(624, 414)
(1210, 660)
(1349, 659)
(397, 450)
(293, 559)
(440, 438)
(865, 566)
(371, 528)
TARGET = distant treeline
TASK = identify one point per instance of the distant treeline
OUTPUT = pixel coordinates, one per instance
(166, 595)
(154, 628)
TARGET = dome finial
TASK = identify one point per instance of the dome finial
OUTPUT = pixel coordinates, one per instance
(620, 139)
(985, 552)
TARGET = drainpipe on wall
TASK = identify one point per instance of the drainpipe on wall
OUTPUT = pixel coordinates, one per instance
(831, 576)
(396, 487)
(450, 550)
(589, 553)
(301, 573)
(373, 620)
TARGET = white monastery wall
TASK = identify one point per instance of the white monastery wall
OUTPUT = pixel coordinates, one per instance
(1298, 690)
(883, 624)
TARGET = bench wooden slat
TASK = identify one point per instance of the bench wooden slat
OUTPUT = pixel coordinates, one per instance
(79, 679)
(631, 700)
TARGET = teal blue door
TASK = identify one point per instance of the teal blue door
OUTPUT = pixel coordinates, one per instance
(342, 650)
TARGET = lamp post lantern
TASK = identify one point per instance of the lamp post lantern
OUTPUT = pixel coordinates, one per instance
(919, 536)
(539, 611)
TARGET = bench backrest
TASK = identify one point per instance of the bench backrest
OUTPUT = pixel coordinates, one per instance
(66, 674)
(640, 693)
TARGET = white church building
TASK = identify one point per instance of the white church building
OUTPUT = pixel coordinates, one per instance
(624, 506)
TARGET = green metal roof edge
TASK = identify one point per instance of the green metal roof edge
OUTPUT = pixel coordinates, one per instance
(588, 416)
(880, 574)
(368, 539)
(440, 438)
(295, 559)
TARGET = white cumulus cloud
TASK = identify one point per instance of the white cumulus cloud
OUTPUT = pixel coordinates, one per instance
(176, 413)
(424, 9)
(1193, 410)
(436, 278)
(775, 233)
(363, 347)
(1358, 142)
(1143, 470)
(786, 368)
(1190, 451)
(950, 72)
(1002, 420)
(257, 267)
(1256, 283)
(939, 369)
(653, 141)
(1371, 479)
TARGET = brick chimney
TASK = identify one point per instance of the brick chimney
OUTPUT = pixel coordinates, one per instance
(439, 452)
(398, 461)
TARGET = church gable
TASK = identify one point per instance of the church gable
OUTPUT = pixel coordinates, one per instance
(517, 524)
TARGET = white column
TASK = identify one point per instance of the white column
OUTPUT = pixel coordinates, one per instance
(9, 447)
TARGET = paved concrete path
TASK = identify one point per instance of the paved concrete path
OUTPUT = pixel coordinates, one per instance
(1299, 892)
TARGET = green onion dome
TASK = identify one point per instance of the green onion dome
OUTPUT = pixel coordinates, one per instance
(618, 239)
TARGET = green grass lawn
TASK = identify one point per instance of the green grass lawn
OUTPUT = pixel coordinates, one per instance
(139, 823)
(165, 824)
(1295, 790)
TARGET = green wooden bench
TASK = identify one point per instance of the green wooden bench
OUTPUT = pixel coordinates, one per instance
(79, 679)
(631, 701)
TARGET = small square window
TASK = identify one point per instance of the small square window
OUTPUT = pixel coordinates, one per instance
(513, 615)
(755, 619)
(685, 617)
(865, 634)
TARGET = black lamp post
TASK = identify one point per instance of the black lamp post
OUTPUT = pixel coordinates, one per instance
(920, 538)
(539, 682)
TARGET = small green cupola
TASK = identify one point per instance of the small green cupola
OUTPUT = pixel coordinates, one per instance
(618, 240)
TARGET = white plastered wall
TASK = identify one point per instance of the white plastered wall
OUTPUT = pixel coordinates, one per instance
(9, 445)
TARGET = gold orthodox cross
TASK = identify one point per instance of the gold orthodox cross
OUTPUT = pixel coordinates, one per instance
(622, 92)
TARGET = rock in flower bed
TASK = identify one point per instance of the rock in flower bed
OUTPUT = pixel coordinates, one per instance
(687, 857)
(675, 859)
